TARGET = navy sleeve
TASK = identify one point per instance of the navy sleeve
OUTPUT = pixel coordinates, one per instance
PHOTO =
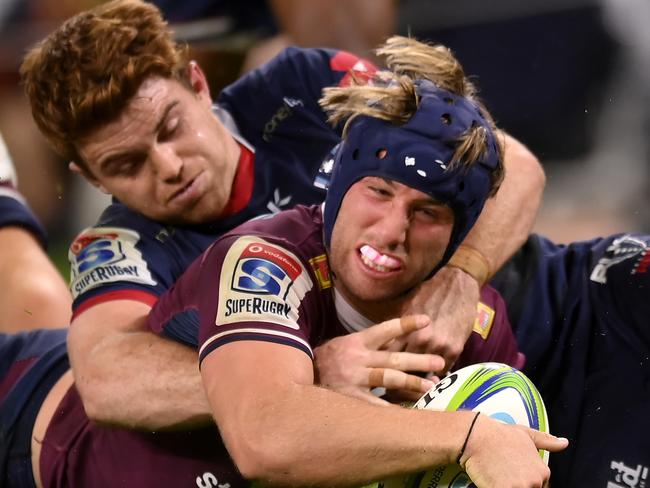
(126, 256)
(14, 211)
(620, 286)
(292, 81)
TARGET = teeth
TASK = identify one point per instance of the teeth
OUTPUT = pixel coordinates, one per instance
(375, 260)
(372, 265)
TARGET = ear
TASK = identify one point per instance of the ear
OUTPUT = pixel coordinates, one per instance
(198, 82)
(88, 176)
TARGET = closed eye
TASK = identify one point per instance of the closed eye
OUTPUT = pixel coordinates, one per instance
(170, 129)
(383, 192)
(428, 212)
(127, 166)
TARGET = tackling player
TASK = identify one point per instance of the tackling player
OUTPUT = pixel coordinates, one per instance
(117, 97)
(417, 164)
(46, 439)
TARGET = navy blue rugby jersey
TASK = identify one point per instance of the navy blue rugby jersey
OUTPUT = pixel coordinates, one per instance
(269, 280)
(580, 314)
(566, 301)
(274, 115)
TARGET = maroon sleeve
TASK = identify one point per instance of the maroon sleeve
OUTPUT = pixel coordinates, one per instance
(492, 338)
(253, 289)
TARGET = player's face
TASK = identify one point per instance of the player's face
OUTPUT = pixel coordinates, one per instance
(166, 155)
(387, 238)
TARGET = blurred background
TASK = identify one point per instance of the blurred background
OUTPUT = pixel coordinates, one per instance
(569, 78)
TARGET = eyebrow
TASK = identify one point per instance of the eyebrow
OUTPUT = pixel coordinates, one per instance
(161, 121)
(428, 200)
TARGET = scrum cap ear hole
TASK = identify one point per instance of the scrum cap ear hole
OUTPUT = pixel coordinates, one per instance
(381, 153)
(446, 119)
(461, 186)
(355, 154)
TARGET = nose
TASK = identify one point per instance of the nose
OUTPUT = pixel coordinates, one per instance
(167, 165)
(393, 226)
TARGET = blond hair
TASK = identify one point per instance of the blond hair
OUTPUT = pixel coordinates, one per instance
(391, 95)
(84, 73)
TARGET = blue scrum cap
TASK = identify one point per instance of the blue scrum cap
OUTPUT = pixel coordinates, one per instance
(417, 154)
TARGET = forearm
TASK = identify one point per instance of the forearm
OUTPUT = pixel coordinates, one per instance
(275, 425)
(144, 381)
(353, 441)
(508, 217)
(129, 376)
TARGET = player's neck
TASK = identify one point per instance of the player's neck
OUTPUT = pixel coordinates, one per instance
(375, 311)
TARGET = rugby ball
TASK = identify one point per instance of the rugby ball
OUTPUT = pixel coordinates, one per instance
(494, 389)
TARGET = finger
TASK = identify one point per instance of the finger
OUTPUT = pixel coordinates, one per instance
(406, 361)
(380, 334)
(420, 341)
(417, 347)
(398, 380)
(398, 344)
(548, 442)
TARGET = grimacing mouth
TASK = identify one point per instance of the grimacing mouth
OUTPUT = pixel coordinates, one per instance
(379, 261)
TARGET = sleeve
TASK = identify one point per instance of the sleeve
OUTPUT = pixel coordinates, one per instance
(492, 338)
(253, 289)
(15, 211)
(110, 263)
(619, 281)
(292, 81)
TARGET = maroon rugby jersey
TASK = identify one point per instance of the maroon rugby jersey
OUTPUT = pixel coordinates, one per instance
(269, 280)
(77, 452)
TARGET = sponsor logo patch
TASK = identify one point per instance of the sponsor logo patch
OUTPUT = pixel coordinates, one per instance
(484, 320)
(209, 480)
(106, 255)
(261, 282)
(621, 249)
(285, 111)
(322, 270)
(627, 476)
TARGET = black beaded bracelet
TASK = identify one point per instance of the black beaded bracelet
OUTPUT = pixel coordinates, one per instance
(471, 426)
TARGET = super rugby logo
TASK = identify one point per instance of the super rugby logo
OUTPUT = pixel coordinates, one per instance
(621, 249)
(265, 283)
(265, 270)
(92, 250)
(106, 255)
